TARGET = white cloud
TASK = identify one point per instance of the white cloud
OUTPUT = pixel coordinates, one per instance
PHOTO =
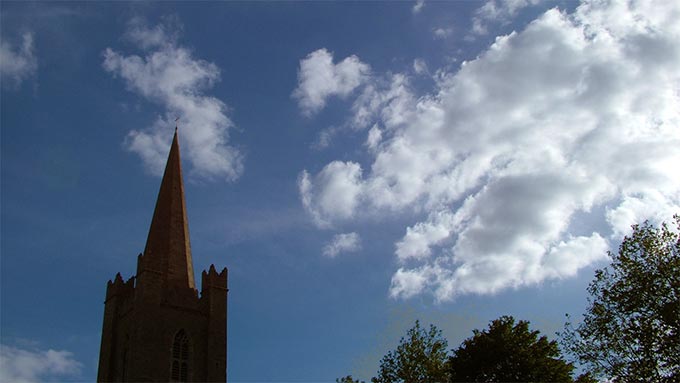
(148, 37)
(319, 79)
(576, 111)
(409, 283)
(20, 365)
(333, 194)
(342, 243)
(374, 137)
(497, 11)
(420, 66)
(17, 63)
(418, 6)
(390, 100)
(442, 33)
(169, 75)
(419, 239)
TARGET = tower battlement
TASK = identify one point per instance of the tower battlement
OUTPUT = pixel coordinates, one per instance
(118, 287)
(212, 279)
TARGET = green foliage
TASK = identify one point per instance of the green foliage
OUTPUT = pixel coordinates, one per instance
(419, 358)
(630, 331)
(508, 352)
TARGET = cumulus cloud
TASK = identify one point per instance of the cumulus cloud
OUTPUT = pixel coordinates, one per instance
(23, 366)
(333, 194)
(319, 79)
(169, 75)
(342, 243)
(388, 99)
(497, 11)
(17, 63)
(574, 115)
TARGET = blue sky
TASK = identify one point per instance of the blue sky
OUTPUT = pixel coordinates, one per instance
(356, 166)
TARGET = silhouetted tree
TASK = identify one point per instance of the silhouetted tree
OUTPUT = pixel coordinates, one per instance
(348, 379)
(631, 329)
(585, 378)
(419, 358)
(508, 352)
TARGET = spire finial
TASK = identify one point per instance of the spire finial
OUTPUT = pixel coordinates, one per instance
(176, 119)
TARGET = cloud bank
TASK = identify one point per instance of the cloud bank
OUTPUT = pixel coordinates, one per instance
(576, 115)
(17, 63)
(24, 366)
(170, 76)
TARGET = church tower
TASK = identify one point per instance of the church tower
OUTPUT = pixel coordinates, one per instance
(156, 326)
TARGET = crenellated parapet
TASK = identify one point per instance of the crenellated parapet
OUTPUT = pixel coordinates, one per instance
(120, 288)
(213, 280)
(214, 293)
(214, 305)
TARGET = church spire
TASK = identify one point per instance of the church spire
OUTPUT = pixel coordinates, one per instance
(168, 246)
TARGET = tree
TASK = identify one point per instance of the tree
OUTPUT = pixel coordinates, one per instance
(508, 352)
(419, 358)
(348, 379)
(630, 331)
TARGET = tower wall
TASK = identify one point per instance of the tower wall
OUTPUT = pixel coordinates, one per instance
(142, 320)
(214, 297)
(119, 301)
(153, 333)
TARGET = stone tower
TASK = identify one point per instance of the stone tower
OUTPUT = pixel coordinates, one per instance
(156, 326)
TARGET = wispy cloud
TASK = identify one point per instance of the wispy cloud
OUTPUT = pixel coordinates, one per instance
(169, 74)
(342, 243)
(17, 63)
(420, 66)
(418, 6)
(497, 12)
(574, 115)
(325, 137)
(442, 33)
(24, 366)
(319, 78)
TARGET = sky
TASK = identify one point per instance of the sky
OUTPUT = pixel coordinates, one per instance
(355, 165)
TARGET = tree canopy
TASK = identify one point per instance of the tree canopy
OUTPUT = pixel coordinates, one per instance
(420, 358)
(508, 352)
(630, 331)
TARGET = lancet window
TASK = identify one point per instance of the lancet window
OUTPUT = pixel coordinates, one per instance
(179, 371)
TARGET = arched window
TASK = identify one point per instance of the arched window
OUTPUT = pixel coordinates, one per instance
(179, 370)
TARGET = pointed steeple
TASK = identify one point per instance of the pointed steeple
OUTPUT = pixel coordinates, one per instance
(168, 246)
